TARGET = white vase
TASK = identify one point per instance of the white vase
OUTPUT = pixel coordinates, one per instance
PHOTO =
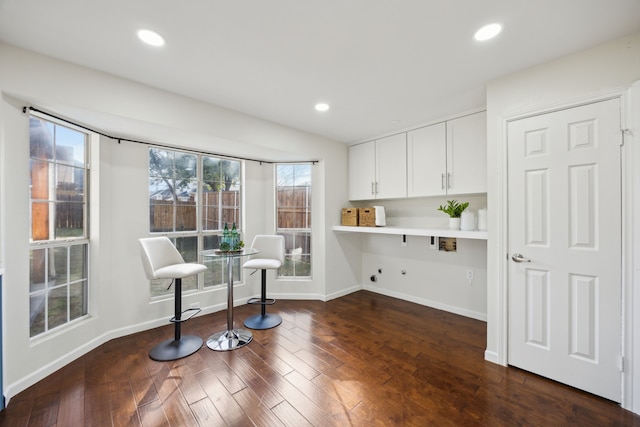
(468, 221)
(482, 219)
(454, 223)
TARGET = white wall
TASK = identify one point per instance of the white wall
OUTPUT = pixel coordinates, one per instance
(119, 293)
(602, 71)
(433, 278)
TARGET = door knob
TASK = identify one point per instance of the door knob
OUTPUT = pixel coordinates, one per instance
(519, 258)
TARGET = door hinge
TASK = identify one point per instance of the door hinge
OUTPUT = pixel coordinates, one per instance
(621, 363)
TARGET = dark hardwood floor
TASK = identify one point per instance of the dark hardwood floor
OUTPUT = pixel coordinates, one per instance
(360, 360)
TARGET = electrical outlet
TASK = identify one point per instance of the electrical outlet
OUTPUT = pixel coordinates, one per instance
(470, 276)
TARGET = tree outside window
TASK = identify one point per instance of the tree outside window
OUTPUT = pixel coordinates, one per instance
(191, 198)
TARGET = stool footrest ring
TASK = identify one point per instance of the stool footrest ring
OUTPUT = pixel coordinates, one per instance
(184, 319)
(268, 301)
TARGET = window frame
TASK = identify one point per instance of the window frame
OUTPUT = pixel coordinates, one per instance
(53, 243)
(293, 234)
(216, 266)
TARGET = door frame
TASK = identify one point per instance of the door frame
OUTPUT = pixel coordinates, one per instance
(630, 176)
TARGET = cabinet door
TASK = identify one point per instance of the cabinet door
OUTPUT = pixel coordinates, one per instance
(427, 160)
(362, 174)
(467, 154)
(391, 167)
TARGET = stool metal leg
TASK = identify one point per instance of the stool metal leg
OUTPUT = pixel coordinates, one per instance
(179, 346)
(263, 320)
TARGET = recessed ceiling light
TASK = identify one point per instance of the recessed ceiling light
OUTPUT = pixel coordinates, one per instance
(151, 38)
(321, 106)
(488, 32)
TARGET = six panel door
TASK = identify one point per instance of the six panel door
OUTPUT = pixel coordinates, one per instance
(565, 246)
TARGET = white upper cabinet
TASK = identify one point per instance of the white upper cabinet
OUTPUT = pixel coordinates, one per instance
(362, 171)
(467, 154)
(378, 169)
(426, 159)
(391, 167)
(448, 158)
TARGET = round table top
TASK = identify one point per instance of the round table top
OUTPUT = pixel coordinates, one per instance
(217, 253)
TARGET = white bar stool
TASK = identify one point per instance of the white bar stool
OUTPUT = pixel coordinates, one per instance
(161, 260)
(271, 257)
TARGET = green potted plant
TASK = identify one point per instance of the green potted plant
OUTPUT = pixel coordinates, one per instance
(454, 210)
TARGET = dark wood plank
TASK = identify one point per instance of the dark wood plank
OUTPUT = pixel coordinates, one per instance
(229, 409)
(72, 394)
(186, 381)
(97, 405)
(289, 415)
(144, 390)
(258, 385)
(256, 410)
(206, 413)
(176, 407)
(343, 362)
(152, 414)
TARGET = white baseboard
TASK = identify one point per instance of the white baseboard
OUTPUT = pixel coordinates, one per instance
(312, 297)
(492, 356)
(429, 303)
(342, 293)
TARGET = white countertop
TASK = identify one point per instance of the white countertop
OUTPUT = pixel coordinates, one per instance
(436, 232)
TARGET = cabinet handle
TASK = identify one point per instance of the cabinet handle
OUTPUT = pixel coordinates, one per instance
(376, 187)
(448, 180)
(442, 181)
(372, 191)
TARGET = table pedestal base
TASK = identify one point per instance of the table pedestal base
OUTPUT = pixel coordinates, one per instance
(229, 339)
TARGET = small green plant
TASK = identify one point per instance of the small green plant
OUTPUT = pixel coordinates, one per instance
(226, 246)
(453, 208)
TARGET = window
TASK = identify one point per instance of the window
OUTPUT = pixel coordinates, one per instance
(191, 198)
(59, 235)
(293, 211)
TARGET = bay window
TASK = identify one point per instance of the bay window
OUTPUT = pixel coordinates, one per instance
(191, 198)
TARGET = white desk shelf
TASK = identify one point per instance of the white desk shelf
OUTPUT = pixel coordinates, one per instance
(435, 232)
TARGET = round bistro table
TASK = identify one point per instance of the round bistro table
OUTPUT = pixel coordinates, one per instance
(231, 338)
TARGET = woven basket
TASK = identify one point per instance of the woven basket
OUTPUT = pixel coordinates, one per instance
(350, 216)
(366, 217)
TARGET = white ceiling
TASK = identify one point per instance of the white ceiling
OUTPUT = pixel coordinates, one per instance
(382, 65)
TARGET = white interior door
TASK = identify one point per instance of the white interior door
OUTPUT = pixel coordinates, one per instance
(565, 246)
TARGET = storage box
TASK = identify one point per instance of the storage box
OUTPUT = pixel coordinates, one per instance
(366, 217)
(350, 216)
